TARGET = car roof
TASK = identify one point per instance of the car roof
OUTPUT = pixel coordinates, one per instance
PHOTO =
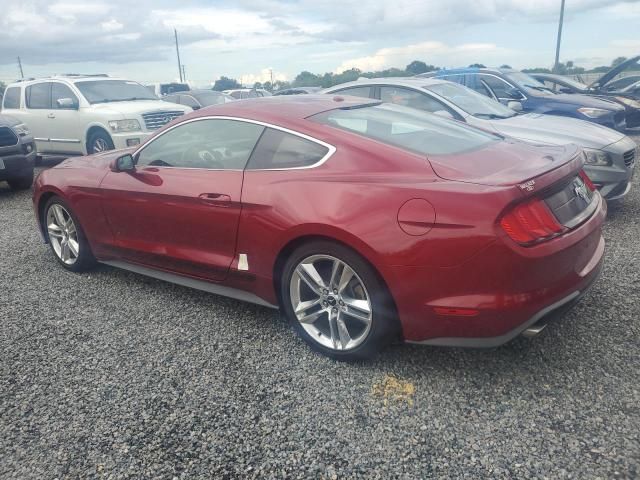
(282, 109)
(415, 82)
(461, 71)
(68, 78)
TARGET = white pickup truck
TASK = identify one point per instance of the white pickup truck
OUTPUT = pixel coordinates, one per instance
(85, 114)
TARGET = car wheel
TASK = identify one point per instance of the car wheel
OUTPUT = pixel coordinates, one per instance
(336, 302)
(21, 183)
(66, 237)
(99, 141)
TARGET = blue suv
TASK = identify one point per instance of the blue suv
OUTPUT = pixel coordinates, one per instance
(524, 93)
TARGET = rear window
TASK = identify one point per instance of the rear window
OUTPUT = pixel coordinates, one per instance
(12, 97)
(410, 129)
(278, 149)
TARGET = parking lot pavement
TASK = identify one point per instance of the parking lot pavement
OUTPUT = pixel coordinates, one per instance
(113, 375)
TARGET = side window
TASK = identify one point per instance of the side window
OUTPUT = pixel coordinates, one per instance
(356, 92)
(456, 78)
(497, 85)
(189, 101)
(63, 98)
(212, 144)
(551, 85)
(12, 97)
(278, 149)
(171, 98)
(39, 96)
(412, 99)
(474, 83)
(237, 94)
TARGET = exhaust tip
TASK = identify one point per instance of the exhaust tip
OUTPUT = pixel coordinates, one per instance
(534, 330)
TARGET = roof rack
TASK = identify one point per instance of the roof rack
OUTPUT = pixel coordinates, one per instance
(82, 75)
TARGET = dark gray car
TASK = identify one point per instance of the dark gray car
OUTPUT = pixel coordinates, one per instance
(17, 153)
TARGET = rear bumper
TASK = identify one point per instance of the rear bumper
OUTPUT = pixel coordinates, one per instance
(531, 326)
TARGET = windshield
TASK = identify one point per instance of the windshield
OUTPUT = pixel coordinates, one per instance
(214, 98)
(413, 130)
(103, 91)
(471, 101)
(528, 82)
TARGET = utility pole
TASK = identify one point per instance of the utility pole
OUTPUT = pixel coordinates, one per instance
(20, 67)
(555, 65)
(178, 53)
(184, 75)
(271, 74)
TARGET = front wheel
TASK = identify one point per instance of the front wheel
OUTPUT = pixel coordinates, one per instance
(99, 142)
(336, 302)
(66, 237)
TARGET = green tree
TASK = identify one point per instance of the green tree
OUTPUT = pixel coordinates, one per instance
(257, 85)
(226, 83)
(477, 65)
(306, 79)
(505, 66)
(416, 67)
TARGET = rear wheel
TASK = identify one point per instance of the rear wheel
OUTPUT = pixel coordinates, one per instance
(23, 182)
(66, 237)
(336, 302)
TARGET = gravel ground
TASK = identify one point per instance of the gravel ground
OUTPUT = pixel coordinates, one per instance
(113, 375)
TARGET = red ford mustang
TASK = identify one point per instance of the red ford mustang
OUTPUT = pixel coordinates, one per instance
(364, 222)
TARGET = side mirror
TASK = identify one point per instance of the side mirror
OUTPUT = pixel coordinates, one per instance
(66, 103)
(196, 107)
(565, 90)
(444, 114)
(515, 106)
(515, 94)
(124, 163)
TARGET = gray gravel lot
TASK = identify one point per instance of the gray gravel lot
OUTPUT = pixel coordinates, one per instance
(113, 375)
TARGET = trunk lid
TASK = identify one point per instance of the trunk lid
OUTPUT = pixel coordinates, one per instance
(607, 77)
(510, 162)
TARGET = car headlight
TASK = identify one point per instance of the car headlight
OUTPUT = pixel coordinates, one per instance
(21, 129)
(629, 101)
(120, 126)
(594, 112)
(597, 157)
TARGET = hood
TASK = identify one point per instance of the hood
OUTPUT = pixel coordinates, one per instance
(137, 107)
(580, 100)
(507, 162)
(8, 121)
(555, 130)
(98, 160)
(607, 77)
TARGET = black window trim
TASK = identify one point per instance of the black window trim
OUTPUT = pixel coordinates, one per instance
(330, 148)
(505, 81)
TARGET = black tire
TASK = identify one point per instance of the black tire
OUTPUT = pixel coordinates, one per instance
(96, 138)
(384, 323)
(23, 182)
(85, 259)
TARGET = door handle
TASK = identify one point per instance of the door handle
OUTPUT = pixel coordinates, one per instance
(215, 199)
(51, 115)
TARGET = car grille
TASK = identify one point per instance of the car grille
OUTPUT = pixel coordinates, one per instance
(155, 120)
(629, 157)
(7, 137)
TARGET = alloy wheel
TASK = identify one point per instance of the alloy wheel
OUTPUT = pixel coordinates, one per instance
(331, 302)
(100, 145)
(63, 234)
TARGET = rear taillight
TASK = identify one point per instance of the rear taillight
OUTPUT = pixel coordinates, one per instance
(587, 181)
(531, 222)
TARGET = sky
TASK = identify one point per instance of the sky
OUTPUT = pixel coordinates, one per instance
(253, 39)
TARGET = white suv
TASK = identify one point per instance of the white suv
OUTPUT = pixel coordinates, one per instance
(78, 114)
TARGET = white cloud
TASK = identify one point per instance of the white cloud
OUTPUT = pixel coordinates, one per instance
(111, 25)
(436, 52)
(263, 76)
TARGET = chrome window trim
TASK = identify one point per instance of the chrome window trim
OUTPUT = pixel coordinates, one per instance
(500, 78)
(330, 148)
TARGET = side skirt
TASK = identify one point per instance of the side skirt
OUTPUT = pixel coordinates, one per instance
(191, 283)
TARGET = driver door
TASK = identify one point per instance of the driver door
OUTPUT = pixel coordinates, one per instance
(179, 209)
